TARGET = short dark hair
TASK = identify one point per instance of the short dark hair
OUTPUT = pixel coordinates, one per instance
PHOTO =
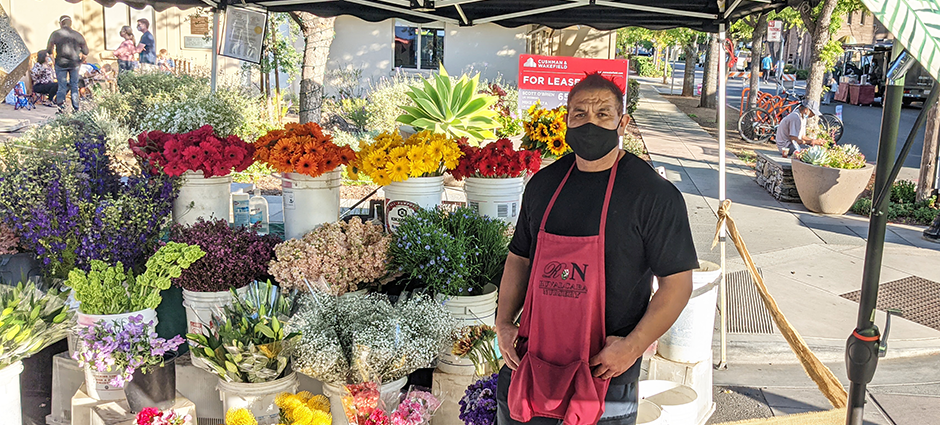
(41, 56)
(145, 22)
(596, 81)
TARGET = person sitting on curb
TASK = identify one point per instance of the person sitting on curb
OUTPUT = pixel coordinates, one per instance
(792, 129)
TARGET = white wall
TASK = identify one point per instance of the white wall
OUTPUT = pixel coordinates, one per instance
(488, 49)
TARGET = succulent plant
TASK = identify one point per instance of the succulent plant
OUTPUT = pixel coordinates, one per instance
(816, 155)
(453, 109)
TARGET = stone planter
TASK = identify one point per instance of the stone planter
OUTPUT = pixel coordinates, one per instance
(829, 190)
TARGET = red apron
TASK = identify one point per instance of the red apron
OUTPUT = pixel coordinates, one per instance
(562, 326)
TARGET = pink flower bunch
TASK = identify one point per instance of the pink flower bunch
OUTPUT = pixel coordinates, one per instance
(198, 150)
(8, 240)
(154, 416)
(335, 258)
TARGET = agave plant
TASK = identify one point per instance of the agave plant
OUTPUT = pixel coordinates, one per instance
(455, 109)
(816, 155)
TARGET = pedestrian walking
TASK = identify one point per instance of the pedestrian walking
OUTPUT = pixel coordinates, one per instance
(766, 65)
(70, 49)
(127, 51)
(147, 46)
(594, 229)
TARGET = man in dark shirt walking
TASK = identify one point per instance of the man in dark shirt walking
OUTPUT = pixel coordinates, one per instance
(70, 50)
(147, 46)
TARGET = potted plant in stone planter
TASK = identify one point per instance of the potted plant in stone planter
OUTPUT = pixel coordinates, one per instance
(131, 354)
(829, 179)
(235, 257)
(457, 256)
(31, 321)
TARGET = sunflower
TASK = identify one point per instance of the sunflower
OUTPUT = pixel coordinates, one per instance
(308, 165)
(557, 146)
(399, 170)
(240, 417)
(542, 133)
(558, 127)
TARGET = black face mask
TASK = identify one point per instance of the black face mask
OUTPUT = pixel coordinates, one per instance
(592, 142)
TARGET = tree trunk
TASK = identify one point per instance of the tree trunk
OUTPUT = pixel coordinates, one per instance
(814, 84)
(928, 162)
(318, 35)
(710, 82)
(667, 52)
(691, 57)
(757, 53)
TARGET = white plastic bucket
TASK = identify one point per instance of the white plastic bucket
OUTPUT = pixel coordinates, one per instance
(258, 398)
(200, 306)
(679, 403)
(309, 201)
(10, 393)
(648, 413)
(496, 198)
(97, 384)
(689, 339)
(469, 311)
(405, 198)
(209, 198)
(335, 393)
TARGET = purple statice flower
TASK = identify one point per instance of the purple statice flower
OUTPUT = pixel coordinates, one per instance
(478, 405)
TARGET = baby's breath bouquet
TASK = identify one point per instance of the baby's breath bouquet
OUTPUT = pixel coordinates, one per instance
(360, 338)
(334, 258)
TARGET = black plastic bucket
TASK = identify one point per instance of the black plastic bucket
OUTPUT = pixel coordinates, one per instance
(154, 389)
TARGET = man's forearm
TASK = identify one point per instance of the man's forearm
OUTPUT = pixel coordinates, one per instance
(512, 289)
(664, 308)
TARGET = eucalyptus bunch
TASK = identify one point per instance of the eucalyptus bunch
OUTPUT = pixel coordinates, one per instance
(248, 341)
(450, 253)
(455, 109)
(30, 321)
(114, 289)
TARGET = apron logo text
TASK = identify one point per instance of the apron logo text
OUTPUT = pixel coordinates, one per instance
(562, 289)
(558, 270)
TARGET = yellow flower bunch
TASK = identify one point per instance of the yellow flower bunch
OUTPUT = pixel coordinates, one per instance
(545, 131)
(240, 417)
(390, 158)
(304, 408)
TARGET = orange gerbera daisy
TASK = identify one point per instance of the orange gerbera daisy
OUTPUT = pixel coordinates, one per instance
(329, 162)
(284, 146)
(308, 165)
(346, 155)
(262, 154)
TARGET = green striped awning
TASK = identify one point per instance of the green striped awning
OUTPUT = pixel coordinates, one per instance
(916, 25)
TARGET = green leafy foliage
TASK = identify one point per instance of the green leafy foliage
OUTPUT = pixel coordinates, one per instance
(114, 289)
(645, 66)
(30, 321)
(633, 96)
(903, 205)
(455, 109)
(904, 192)
(248, 342)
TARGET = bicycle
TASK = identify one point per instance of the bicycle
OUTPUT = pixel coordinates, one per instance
(759, 124)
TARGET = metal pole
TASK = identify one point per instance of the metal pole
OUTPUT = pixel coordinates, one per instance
(722, 99)
(780, 64)
(672, 85)
(215, 50)
(862, 346)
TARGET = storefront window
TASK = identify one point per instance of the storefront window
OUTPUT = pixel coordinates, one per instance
(408, 45)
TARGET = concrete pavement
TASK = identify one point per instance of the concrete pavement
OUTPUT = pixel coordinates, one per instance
(808, 262)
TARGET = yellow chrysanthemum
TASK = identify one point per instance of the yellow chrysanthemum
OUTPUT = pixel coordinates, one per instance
(321, 418)
(304, 395)
(240, 417)
(281, 400)
(381, 177)
(399, 170)
(301, 415)
(397, 153)
(320, 403)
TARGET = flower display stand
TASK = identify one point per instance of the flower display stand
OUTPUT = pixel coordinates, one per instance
(88, 411)
(454, 386)
(67, 378)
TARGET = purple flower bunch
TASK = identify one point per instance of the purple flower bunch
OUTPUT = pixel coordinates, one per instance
(234, 257)
(478, 405)
(123, 347)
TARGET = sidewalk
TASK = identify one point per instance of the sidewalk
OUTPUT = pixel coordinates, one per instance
(808, 262)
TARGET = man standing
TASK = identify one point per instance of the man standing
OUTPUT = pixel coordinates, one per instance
(766, 65)
(791, 131)
(70, 50)
(594, 229)
(147, 46)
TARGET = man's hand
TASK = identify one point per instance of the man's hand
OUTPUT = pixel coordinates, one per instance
(506, 335)
(616, 357)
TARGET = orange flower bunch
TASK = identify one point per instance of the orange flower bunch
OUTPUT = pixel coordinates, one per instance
(303, 149)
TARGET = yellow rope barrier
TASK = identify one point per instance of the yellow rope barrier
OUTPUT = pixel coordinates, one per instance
(817, 371)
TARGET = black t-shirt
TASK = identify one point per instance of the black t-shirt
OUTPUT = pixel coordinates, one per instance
(69, 46)
(648, 230)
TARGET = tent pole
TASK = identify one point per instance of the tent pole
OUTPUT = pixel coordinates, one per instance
(215, 50)
(862, 347)
(722, 122)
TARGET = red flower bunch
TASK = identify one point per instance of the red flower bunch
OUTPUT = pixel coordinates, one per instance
(198, 150)
(496, 160)
(146, 415)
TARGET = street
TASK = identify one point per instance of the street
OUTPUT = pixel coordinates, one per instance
(862, 123)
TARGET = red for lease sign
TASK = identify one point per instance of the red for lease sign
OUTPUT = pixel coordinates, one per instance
(549, 78)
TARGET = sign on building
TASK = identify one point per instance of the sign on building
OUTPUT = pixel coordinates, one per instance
(774, 31)
(199, 25)
(547, 79)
